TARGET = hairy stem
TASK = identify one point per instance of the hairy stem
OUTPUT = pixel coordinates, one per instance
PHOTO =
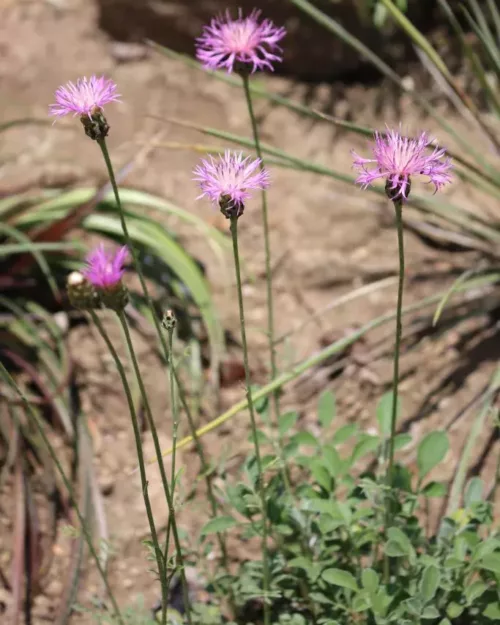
(261, 488)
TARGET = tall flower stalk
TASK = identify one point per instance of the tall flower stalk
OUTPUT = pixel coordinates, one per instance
(227, 181)
(396, 159)
(245, 45)
(87, 99)
(101, 283)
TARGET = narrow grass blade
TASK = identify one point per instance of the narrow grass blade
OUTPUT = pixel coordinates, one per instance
(453, 289)
(476, 427)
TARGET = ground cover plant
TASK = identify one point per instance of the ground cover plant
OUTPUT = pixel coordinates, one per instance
(338, 526)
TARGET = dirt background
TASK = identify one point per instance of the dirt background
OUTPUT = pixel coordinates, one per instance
(326, 238)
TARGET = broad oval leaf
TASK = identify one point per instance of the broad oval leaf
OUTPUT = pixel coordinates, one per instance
(473, 491)
(384, 413)
(431, 452)
(219, 524)
(491, 562)
(434, 489)
(369, 579)
(287, 421)
(326, 408)
(429, 583)
(338, 577)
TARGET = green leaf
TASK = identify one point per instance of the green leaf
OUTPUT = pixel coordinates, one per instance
(369, 579)
(491, 562)
(305, 438)
(474, 591)
(444, 621)
(220, 524)
(394, 533)
(429, 583)
(394, 550)
(326, 408)
(360, 603)
(262, 437)
(384, 413)
(365, 446)
(434, 489)
(338, 577)
(344, 433)
(320, 474)
(430, 612)
(287, 421)
(454, 610)
(332, 461)
(261, 404)
(401, 441)
(452, 563)
(485, 547)
(473, 492)
(431, 452)
(414, 605)
(493, 611)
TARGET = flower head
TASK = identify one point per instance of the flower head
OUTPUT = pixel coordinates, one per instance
(244, 40)
(397, 158)
(85, 98)
(104, 269)
(227, 180)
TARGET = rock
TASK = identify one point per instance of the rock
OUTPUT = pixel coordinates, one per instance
(310, 51)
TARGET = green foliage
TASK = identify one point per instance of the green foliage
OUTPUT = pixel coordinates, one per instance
(329, 536)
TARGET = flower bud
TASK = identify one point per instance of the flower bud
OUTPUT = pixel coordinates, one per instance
(81, 293)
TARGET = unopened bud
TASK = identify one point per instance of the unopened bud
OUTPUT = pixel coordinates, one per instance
(229, 208)
(114, 297)
(169, 320)
(81, 292)
(96, 126)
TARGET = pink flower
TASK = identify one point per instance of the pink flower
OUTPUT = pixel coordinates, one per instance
(397, 158)
(226, 180)
(245, 40)
(104, 269)
(84, 98)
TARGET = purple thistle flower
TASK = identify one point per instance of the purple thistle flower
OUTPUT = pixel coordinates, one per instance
(85, 98)
(104, 269)
(227, 180)
(245, 40)
(397, 158)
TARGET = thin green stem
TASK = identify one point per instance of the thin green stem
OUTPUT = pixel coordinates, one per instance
(175, 415)
(173, 403)
(128, 240)
(205, 467)
(267, 247)
(88, 538)
(269, 286)
(140, 454)
(398, 207)
(156, 442)
(261, 489)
